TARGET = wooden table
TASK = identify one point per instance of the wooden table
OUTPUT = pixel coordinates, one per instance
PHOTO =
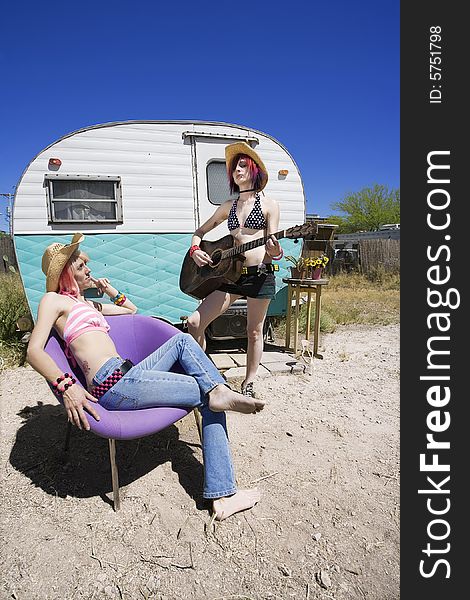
(295, 289)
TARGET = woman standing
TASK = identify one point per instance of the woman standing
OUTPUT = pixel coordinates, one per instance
(249, 217)
(117, 384)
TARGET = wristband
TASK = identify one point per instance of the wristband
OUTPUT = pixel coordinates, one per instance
(278, 257)
(119, 299)
(193, 249)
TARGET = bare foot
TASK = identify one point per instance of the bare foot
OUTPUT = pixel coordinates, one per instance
(242, 500)
(222, 398)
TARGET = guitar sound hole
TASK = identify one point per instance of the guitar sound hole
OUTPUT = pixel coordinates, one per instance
(216, 258)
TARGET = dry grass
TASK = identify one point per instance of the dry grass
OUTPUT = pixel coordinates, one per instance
(353, 298)
(13, 305)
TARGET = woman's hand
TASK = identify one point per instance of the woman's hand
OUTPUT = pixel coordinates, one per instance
(273, 247)
(76, 401)
(201, 258)
(103, 284)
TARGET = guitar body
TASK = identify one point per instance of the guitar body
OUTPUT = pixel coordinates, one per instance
(199, 282)
(227, 261)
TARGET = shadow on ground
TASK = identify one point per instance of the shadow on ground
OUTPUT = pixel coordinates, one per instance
(84, 471)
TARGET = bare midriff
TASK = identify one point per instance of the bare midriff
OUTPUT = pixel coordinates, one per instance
(256, 256)
(91, 350)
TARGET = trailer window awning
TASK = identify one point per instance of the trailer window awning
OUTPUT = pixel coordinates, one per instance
(224, 136)
(73, 176)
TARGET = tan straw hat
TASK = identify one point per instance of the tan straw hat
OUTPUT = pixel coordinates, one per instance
(242, 148)
(55, 258)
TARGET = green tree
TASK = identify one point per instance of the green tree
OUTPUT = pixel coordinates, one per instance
(368, 209)
(342, 223)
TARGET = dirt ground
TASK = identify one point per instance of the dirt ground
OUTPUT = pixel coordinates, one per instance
(324, 452)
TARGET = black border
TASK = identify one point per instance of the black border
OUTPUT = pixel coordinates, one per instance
(427, 127)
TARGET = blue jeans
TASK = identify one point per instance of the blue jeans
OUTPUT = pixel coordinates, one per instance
(150, 384)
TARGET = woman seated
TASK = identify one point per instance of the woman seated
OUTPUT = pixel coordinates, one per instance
(118, 385)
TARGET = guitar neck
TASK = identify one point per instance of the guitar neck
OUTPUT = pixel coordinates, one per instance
(254, 244)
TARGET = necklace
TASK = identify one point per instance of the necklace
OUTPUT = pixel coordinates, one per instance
(253, 190)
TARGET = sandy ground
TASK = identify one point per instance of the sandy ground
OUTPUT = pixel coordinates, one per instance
(324, 453)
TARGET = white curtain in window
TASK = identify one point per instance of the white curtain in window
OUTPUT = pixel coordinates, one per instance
(83, 190)
(85, 211)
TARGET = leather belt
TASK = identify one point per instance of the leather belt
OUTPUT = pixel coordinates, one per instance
(126, 366)
(99, 390)
(258, 269)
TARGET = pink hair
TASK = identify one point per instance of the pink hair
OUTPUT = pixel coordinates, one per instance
(255, 172)
(67, 283)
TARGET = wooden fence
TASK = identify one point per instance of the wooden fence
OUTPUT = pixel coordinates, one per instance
(7, 254)
(379, 254)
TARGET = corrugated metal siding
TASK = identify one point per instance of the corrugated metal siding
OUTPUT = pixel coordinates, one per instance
(154, 163)
(155, 169)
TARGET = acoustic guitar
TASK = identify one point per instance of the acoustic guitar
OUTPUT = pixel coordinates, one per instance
(227, 261)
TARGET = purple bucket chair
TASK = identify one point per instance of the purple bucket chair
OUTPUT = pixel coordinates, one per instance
(135, 337)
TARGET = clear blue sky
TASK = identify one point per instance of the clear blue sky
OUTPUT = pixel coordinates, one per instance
(321, 77)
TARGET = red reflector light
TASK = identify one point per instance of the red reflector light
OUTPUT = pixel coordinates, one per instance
(55, 161)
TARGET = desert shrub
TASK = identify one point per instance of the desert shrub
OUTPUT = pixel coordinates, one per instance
(387, 279)
(13, 305)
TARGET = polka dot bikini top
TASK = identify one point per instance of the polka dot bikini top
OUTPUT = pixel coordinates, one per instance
(255, 219)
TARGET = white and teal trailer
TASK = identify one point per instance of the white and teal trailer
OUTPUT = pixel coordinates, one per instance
(137, 190)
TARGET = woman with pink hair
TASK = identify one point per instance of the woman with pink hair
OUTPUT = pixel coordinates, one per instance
(249, 217)
(117, 384)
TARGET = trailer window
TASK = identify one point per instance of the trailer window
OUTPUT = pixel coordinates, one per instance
(84, 200)
(218, 190)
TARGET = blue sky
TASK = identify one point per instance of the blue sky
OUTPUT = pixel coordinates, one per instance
(320, 77)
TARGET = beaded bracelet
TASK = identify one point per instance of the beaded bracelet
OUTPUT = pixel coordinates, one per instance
(193, 249)
(278, 257)
(60, 390)
(119, 299)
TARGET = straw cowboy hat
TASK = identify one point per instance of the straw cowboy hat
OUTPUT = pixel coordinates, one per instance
(55, 258)
(242, 148)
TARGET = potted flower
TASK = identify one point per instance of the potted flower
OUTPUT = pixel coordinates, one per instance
(298, 269)
(317, 265)
(309, 267)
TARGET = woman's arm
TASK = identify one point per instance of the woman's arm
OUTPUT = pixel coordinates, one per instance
(218, 217)
(105, 286)
(273, 248)
(75, 398)
(200, 257)
(50, 309)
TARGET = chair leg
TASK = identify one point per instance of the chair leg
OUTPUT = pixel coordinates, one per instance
(67, 436)
(114, 474)
(198, 418)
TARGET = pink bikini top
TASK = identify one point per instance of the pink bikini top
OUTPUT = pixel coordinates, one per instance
(82, 318)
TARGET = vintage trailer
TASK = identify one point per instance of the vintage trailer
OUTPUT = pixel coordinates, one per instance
(138, 190)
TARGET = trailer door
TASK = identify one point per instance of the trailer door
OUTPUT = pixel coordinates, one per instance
(212, 188)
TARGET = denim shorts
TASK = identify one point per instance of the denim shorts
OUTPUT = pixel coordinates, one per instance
(262, 286)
